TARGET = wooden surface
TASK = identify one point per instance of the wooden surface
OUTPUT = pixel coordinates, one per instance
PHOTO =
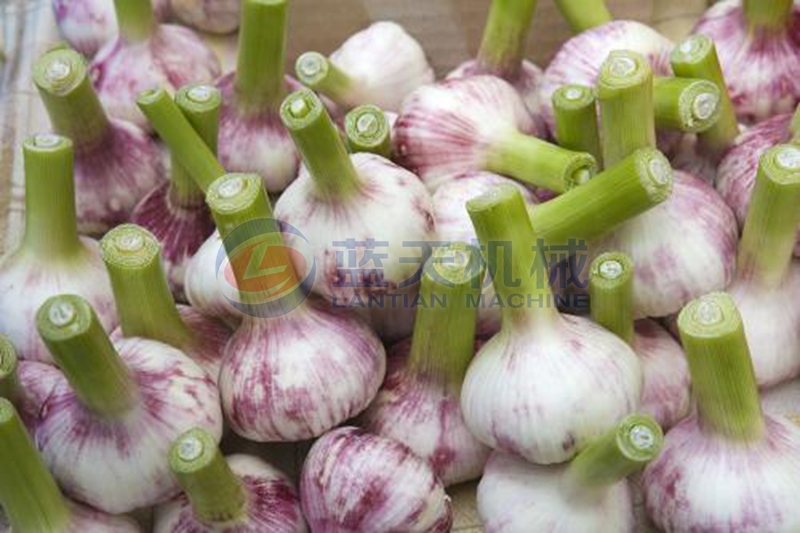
(449, 30)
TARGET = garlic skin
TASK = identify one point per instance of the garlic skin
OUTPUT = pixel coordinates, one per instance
(84, 519)
(579, 60)
(392, 205)
(26, 282)
(757, 476)
(783, 400)
(682, 248)
(387, 64)
(544, 393)
(180, 230)
(174, 394)
(527, 85)
(214, 16)
(89, 24)
(515, 496)
(759, 66)
(342, 491)
(173, 56)
(37, 381)
(295, 376)
(273, 503)
(453, 224)
(666, 389)
(426, 415)
(737, 171)
(469, 114)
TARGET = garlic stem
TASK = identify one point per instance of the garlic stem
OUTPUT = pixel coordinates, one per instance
(625, 92)
(185, 144)
(317, 72)
(626, 449)
(61, 77)
(519, 273)
(71, 331)
(51, 228)
(582, 15)
(768, 238)
(320, 145)
(368, 130)
(262, 49)
(505, 36)
(9, 381)
(723, 380)
(768, 15)
(135, 19)
(696, 57)
(575, 110)
(611, 293)
(29, 494)
(215, 492)
(686, 104)
(619, 193)
(200, 104)
(146, 307)
(795, 125)
(443, 342)
(540, 163)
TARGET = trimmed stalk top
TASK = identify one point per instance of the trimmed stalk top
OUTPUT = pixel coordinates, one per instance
(368, 130)
(59, 71)
(130, 247)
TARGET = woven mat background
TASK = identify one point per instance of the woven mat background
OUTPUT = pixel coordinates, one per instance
(450, 31)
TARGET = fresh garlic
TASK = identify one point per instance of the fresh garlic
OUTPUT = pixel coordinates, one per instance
(214, 16)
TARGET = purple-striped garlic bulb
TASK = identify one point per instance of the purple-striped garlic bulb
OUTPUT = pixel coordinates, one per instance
(768, 277)
(147, 308)
(213, 16)
(728, 443)
(587, 495)
(665, 390)
(419, 402)
(481, 123)
(238, 493)
(117, 409)
(176, 212)
(147, 54)
(205, 289)
(380, 65)
(251, 135)
(515, 396)
(354, 481)
(783, 400)
(89, 24)
(52, 258)
(116, 162)
(295, 368)
(502, 52)
(30, 496)
(367, 221)
(758, 43)
(736, 176)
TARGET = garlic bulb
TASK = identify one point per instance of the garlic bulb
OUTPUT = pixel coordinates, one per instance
(251, 136)
(729, 442)
(379, 65)
(515, 397)
(587, 495)
(295, 368)
(665, 391)
(238, 492)
(52, 258)
(89, 24)
(342, 490)
(116, 163)
(480, 123)
(117, 408)
(30, 495)
(736, 175)
(768, 279)
(214, 16)
(367, 221)
(147, 54)
(758, 49)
